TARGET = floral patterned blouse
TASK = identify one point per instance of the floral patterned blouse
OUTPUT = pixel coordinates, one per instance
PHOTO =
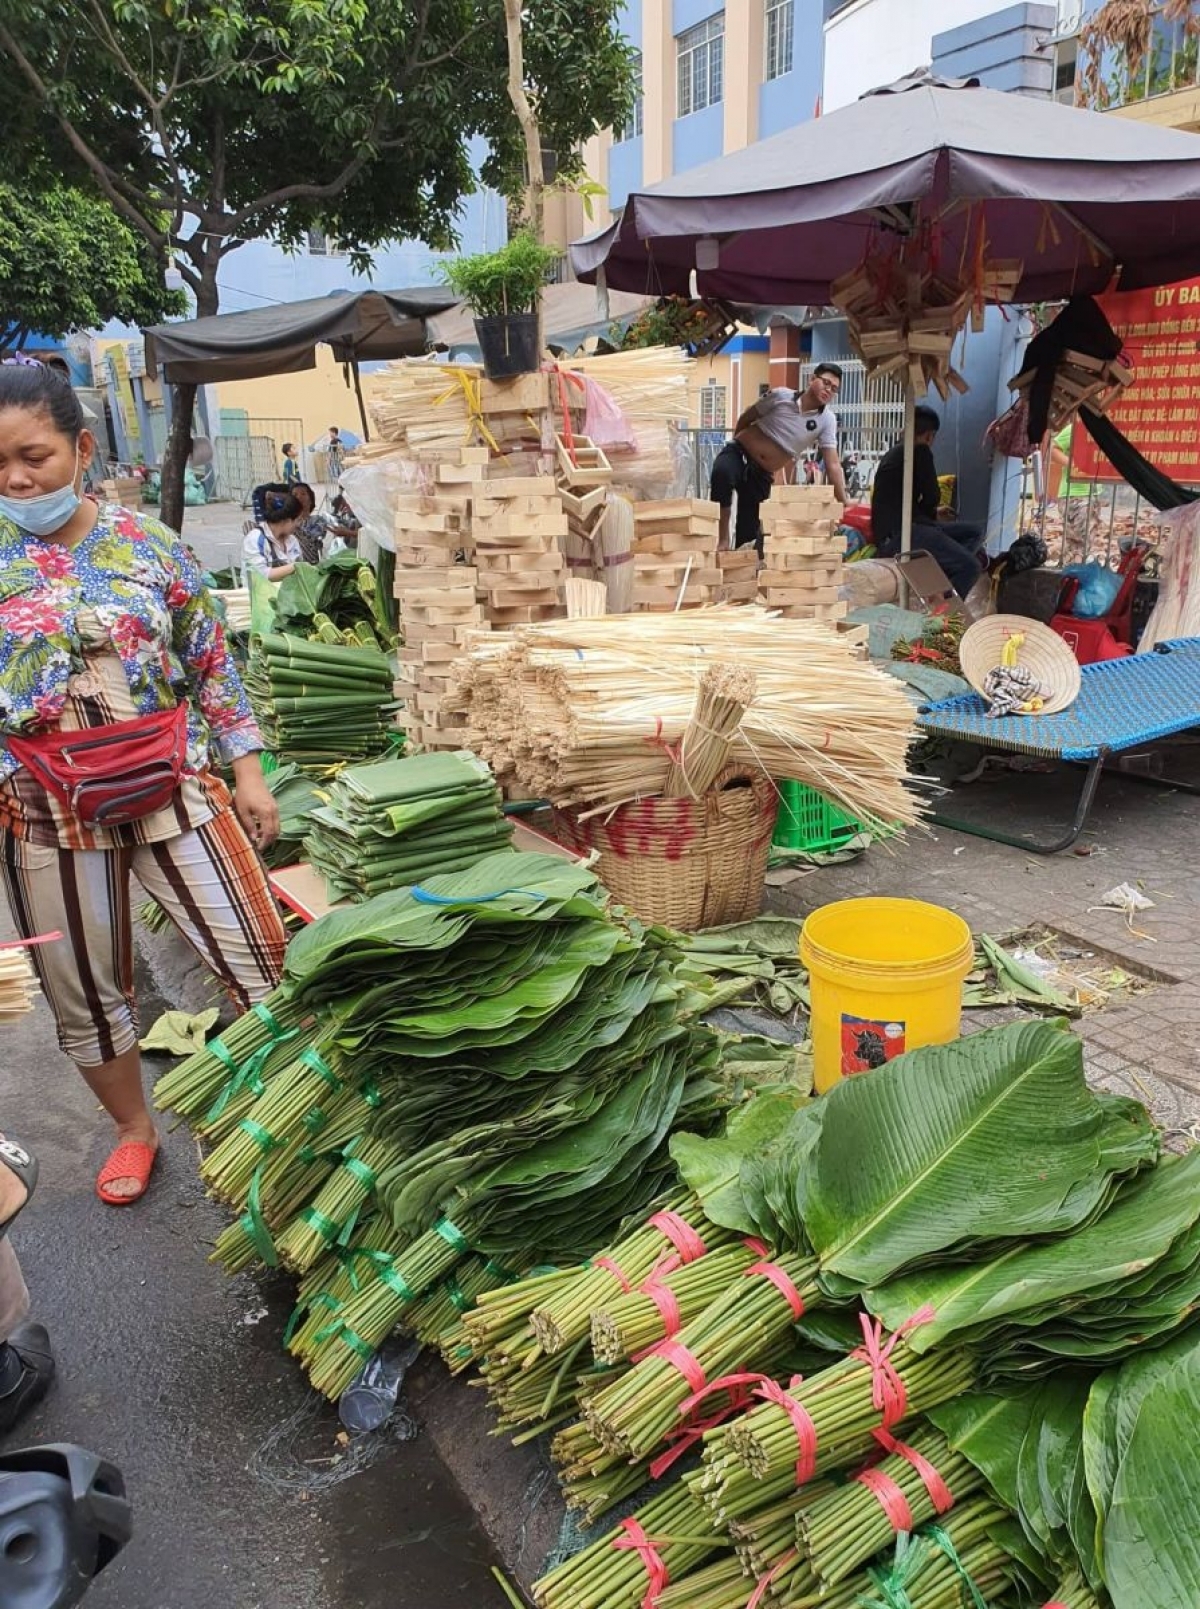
(136, 577)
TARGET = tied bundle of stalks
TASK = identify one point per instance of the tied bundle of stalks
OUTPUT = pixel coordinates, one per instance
(724, 695)
(17, 985)
(590, 713)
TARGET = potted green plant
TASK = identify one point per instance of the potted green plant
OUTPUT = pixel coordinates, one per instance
(502, 289)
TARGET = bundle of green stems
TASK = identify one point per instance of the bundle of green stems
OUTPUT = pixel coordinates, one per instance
(629, 1322)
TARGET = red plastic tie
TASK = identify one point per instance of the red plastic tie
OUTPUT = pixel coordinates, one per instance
(687, 1435)
(681, 1235)
(782, 1284)
(890, 1498)
(888, 1391)
(609, 1267)
(635, 1540)
(940, 1494)
(806, 1432)
(758, 1247)
(765, 1582)
(678, 1356)
(667, 1303)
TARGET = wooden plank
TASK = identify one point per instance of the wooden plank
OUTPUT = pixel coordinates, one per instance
(519, 526)
(504, 486)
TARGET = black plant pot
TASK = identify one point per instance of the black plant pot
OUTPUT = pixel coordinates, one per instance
(508, 344)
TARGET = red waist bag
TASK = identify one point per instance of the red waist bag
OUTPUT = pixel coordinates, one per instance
(109, 775)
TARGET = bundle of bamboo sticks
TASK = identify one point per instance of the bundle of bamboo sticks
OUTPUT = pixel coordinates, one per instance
(593, 713)
(18, 986)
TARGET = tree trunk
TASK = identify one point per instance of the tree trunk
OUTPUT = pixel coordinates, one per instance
(183, 405)
(175, 456)
(527, 118)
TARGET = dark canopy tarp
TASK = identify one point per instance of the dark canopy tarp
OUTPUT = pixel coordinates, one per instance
(570, 313)
(1073, 194)
(282, 339)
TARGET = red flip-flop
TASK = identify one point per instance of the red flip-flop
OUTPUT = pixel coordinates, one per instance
(132, 1160)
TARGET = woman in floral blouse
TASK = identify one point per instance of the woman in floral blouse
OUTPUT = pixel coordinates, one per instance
(104, 619)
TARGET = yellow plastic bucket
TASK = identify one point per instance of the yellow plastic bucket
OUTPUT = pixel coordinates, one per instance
(885, 976)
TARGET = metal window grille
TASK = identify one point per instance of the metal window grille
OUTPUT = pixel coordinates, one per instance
(634, 123)
(701, 60)
(713, 402)
(780, 37)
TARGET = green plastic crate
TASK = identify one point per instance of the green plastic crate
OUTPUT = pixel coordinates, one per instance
(808, 821)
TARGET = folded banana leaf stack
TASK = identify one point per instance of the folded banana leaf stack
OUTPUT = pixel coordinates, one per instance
(320, 705)
(338, 600)
(398, 822)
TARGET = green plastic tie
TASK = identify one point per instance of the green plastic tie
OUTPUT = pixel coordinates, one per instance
(255, 1224)
(396, 1282)
(325, 1227)
(455, 1292)
(941, 1540)
(312, 1058)
(370, 1093)
(453, 1236)
(263, 1138)
(366, 1176)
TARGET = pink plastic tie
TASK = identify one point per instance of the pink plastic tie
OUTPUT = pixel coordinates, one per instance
(888, 1391)
(636, 1541)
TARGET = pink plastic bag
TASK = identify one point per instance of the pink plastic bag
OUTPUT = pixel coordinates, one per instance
(603, 421)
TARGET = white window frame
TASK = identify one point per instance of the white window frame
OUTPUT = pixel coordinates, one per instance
(700, 66)
(779, 39)
(714, 406)
(320, 245)
(635, 122)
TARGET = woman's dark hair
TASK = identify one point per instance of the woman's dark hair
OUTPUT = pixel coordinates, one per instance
(37, 389)
(298, 486)
(279, 505)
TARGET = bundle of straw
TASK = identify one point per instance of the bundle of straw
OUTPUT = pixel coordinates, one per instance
(724, 695)
(592, 712)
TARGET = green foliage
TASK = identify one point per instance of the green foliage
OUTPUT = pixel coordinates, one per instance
(67, 262)
(504, 281)
(266, 119)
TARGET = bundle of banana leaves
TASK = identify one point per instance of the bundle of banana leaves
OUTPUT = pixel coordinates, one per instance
(490, 1063)
(336, 601)
(398, 822)
(297, 796)
(320, 705)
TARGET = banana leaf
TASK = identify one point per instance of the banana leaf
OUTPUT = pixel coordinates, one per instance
(993, 1138)
(712, 1167)
(1055, 1279)
(1152, 1528)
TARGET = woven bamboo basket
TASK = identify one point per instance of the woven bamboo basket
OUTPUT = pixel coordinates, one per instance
(687, 863)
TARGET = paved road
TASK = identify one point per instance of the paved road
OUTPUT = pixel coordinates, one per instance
(174, 1371)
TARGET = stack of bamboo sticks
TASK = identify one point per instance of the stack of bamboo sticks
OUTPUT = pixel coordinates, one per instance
(17, 984)
(593, 712)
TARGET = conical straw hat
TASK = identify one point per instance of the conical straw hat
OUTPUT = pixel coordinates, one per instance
(1043, 652)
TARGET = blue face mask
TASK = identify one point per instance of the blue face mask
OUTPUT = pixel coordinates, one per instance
(42, 516)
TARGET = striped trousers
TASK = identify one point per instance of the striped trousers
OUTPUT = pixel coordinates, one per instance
(211, 883)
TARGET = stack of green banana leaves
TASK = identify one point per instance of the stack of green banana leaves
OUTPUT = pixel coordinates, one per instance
(490, 1063)
(338, 600)
(400, 821)
(320, 705)
(297, 796)
(1022, 1266)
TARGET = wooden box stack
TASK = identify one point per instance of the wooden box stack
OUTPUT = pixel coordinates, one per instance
(803, 556)
(583, 476)
(436, 588)
(675, 558)
(124, 489)
(739, 575)
(517, 526)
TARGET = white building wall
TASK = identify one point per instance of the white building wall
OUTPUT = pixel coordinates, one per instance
(874, 42)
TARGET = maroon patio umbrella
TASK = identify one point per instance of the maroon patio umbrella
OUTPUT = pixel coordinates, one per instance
(1079, 197)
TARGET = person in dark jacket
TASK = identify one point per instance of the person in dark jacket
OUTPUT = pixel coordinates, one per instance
(955, 544)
